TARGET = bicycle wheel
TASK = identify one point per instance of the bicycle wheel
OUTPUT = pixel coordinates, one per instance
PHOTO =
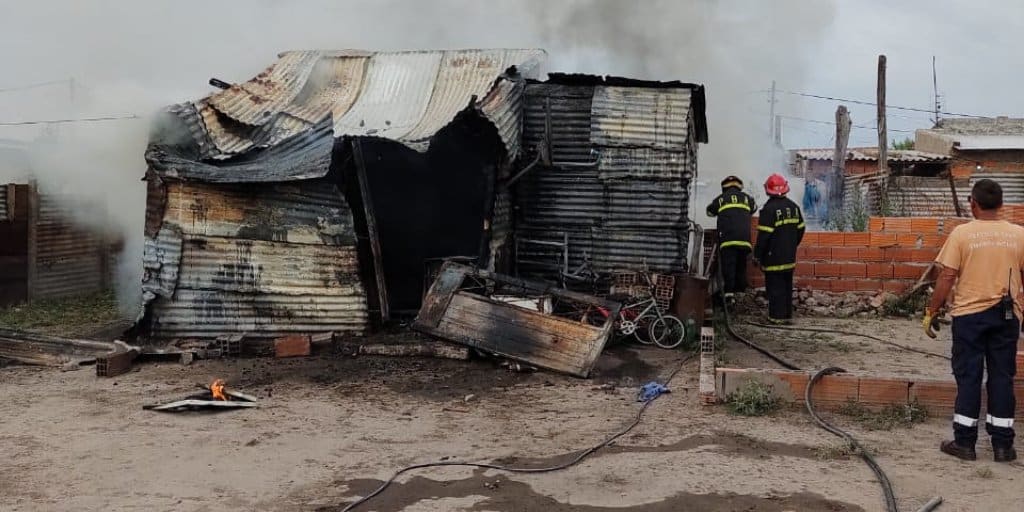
(667, 331)
(643, 329)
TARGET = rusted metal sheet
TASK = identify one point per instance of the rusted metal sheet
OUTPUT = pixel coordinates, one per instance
(44, 350)
(4, 198)
(646, 163)
(69, 256)
(503, 106)
(311, 212)
(641, 117)
(161, 263)
(331, 89)
(455, 309)
(256, 101)
(395, 96)
(912, 196)
(560, 115)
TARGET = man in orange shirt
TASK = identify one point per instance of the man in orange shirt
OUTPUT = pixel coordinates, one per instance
(984, 259)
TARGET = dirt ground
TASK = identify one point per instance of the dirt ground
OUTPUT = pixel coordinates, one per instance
(331, 428)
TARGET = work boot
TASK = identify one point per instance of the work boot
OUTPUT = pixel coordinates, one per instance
(1004, 454)
(960, 452)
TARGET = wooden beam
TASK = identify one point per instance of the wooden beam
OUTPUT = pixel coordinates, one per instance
(371, 227)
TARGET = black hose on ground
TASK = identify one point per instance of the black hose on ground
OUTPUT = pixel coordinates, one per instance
(850, 333)
(480, 465)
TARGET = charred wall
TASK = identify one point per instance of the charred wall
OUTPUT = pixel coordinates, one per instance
(14, 244)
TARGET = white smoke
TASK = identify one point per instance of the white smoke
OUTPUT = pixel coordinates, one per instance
(135, 57)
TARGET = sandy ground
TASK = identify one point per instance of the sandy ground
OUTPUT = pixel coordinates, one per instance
(330, 429)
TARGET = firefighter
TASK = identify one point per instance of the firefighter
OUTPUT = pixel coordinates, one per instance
(780, 229)
(984, 259)
(733, 208)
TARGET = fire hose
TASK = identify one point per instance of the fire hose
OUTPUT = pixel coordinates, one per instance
(508, 469)
(883, 479)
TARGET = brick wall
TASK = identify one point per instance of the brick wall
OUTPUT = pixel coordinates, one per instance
(891, 256)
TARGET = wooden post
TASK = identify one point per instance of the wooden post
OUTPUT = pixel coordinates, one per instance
(835, 189)
(32, 253)
(883, 137)
(371, 228)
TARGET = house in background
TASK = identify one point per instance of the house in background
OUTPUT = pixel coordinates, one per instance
(981, 148)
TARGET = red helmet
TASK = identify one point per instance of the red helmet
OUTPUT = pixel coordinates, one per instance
(776, 185)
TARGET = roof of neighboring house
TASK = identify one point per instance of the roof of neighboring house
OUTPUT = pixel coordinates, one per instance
(402, 96)
(871, 154)
(977, 134)
(981, 126)
(988, 142)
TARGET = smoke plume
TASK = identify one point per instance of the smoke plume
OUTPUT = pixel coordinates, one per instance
(131, 57)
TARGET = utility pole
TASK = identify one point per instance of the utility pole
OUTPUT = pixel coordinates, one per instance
(835, 187)
(778, 132)
(883, 134)
(771, 114)
(935, 88)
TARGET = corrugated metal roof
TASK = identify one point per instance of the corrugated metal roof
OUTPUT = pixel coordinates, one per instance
(503, 106)
(404, 96)
(988, 142)
(871, 154)
(1012, 184)
(640, 117)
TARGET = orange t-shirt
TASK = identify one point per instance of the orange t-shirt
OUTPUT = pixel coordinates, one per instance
(988, 256)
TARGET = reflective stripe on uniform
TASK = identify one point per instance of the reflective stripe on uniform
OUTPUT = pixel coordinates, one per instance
(779, 268)
(766, 229)
(960, 419)
(736, 243)
(801, 225)
(998, 422)
(783, 222)
(733, 205)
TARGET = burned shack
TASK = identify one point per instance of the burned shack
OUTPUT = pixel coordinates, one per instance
(308, 198)
(611, 178)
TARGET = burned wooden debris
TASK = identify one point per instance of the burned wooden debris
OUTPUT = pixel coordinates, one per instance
(461, 307)
(44, 350)
(217, 396)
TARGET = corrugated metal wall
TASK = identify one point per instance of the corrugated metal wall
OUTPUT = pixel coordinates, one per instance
(622, 163)
(3, 202)
(70, 258)
(912, 196)
(261, 260)
(1012, 184)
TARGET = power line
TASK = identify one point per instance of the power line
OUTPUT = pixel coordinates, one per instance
(78, 120)
(833, 124)
(870, 103)
(35, 85)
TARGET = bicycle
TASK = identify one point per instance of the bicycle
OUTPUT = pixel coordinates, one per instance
(645, 318)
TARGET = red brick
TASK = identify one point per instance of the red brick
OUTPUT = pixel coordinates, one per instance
(797, 383)
(853, 270)
(882, 240)
(907, 240)
(908, 271)
(835, 390)
(856, 239)
(827, 270)
(845, 254)
(924, 255)
(810, 238)
(868, 254)
(868, 285)
(818, 253)
(822, 285)
(295, 345)
(831, 239)
(924, 225)
(897, 224)
(804, 270)
(899, 254)
(877, 393)
(896, 287)
(1020, 366)
(933, 241)
(879, 270)
(936, 396)
(844, 285)
(876, 224)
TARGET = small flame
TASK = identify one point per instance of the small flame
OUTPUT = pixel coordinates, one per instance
(217, 388)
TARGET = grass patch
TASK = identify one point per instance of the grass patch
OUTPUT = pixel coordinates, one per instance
(753, 398)
(62, 315)
(893, 416)
(834, 451)
(907, 307)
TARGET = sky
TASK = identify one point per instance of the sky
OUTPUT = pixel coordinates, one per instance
(128, 57)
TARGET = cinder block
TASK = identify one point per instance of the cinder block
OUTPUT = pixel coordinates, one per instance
(853, 270)
(878, 392)
(845, 254)
(882, 240)
(936, 396)
(296, 345)
(870, 254)
(856, 239)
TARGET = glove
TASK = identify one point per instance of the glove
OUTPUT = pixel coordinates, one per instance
(930, 323)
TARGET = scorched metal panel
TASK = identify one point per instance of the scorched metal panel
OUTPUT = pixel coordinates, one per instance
(641, 117)
(69, 257)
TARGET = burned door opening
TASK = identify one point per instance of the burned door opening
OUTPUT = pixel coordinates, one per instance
(428, 205)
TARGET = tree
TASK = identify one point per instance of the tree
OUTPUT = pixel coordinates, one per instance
(906, 143)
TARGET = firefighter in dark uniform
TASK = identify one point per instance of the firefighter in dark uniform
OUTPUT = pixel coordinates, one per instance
(733, 208)
(779, 231)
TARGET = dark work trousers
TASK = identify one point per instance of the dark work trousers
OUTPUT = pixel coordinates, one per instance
(779, 288)
(981, 340)
(734, 268)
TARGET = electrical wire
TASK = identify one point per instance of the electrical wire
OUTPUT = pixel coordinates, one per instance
(850, 333)
(35, 85)
(480, 465)
(872, 104)
(860, 126)
(78, 120)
